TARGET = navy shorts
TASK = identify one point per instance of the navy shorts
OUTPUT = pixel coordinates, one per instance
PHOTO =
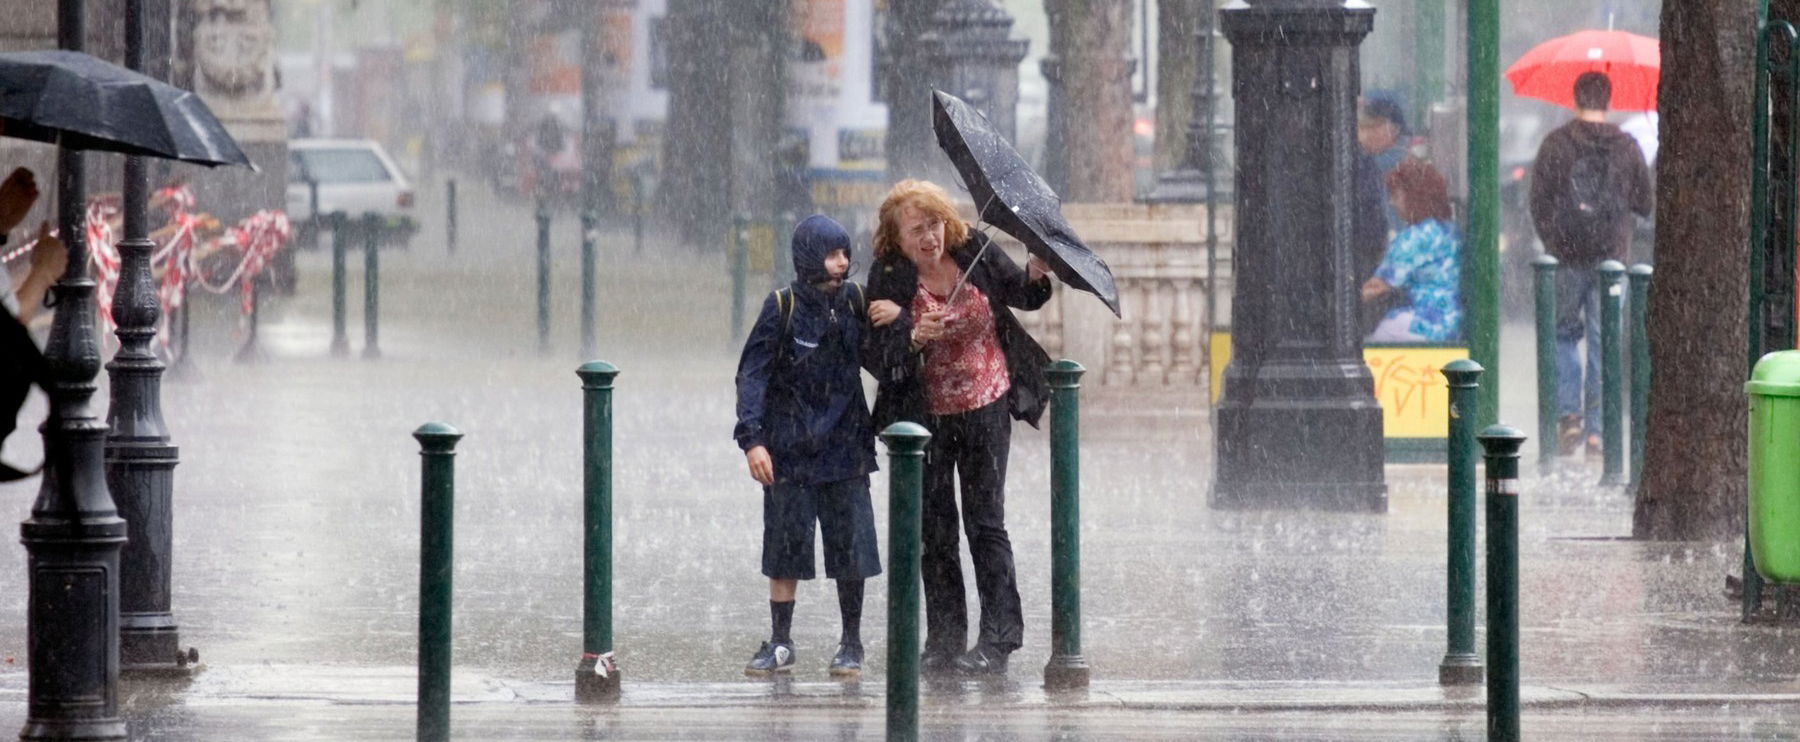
(845, 517)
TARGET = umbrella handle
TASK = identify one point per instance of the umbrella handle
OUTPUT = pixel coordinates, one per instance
(960, 282)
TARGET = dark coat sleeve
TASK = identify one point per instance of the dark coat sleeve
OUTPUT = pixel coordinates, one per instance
(1643, 188)
(887, 351)
(754, 367)
(1008, 282)
(1548, 172)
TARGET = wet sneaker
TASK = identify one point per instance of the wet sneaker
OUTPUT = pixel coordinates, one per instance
(848, 662)
(771, 658)
(982, 660)
(1568, 435)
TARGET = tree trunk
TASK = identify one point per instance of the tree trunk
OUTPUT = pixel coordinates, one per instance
(910, 144)
(696, 171)
(1177, 68)
(1089, 154)
(1694, 463)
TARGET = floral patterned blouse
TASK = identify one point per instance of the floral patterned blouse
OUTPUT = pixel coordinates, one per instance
(1425, 261)
(964, 368)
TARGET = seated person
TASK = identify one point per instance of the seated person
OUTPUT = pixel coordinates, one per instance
(1421, 273)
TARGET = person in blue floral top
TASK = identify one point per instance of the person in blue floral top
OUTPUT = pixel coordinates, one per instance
(1421, 275)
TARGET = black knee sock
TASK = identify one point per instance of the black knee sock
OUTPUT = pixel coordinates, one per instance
(781, 616)
(850, 601)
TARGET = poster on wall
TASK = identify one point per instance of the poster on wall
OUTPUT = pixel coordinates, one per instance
(817, 65)
(616, 42)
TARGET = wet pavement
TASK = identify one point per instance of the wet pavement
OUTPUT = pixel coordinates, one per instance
(297, 546)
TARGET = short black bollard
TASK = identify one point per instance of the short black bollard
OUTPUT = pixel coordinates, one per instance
(1461, 666)
(437, 507)
(1501, 445)
(1640, 276)
(313, 219)
(340, 236)
(450, 215)
(1067, 668)
(371, 286)
(740, 268)
(1612, 375)
(1544, 268)
(906, 476)
(597, 674)
(543, 276)
(590, 233)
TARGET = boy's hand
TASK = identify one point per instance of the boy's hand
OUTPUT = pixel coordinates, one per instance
(883, 312)
(1036, 269)
(762, 469)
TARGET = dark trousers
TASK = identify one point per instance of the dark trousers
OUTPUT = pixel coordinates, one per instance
(972, 447)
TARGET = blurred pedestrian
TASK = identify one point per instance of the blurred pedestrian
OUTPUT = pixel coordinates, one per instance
(959, 363)
(1589, 179)
(803, 424)
(1423, 267)
(1381, 133)
(21, 363)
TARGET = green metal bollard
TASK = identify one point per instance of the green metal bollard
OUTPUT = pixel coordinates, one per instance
(589, 235)
(1501, 444)
(543, 276)
(371, 286)
(1544, 268)
(340, 338)
(1461, 666)
(437, 507)
(1067, 668)
(740, 267)
(450, 215)
(597, 675)
(906, 475)
(1640, 276)
(1612, 375)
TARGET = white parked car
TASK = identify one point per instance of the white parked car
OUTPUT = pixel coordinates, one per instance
(355, 176)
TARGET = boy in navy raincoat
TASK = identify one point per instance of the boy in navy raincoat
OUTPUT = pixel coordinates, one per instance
(804, 427)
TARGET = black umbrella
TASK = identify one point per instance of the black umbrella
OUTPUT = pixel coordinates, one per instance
(83, 102)
(1015, 198)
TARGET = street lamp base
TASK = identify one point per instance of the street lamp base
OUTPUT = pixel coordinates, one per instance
(150, 641)
(596, 679)
(340, 348)
(1180, 187)
(1066, 672)
(96, 729)
(1461, 669)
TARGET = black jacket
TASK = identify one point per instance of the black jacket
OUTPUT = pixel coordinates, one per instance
(900, 391)
(799, 389)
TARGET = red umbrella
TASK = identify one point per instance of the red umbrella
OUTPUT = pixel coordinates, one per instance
(1632, 62)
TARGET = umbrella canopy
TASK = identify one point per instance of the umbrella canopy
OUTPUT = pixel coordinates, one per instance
(77, 100)
(1016, 199)
(1632, 62)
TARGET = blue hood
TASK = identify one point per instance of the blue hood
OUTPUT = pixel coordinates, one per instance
(814, 238)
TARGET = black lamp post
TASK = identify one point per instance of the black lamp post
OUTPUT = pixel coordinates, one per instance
(1298, 424)
(971, 47)
(74, 534)
(1192, 179)
(140, 461)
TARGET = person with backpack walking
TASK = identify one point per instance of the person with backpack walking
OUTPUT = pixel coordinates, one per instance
(803, 424)
(1588, 181)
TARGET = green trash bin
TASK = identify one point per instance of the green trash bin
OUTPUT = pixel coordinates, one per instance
(1774, 390)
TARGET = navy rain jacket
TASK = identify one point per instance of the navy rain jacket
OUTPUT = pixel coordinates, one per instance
(805, 401)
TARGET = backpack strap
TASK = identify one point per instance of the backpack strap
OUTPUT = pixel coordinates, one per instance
(862, 301)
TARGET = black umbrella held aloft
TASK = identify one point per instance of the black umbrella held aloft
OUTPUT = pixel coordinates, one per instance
(83, 102)
(1015, 198)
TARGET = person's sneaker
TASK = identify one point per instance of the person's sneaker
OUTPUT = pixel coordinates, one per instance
(1593, 445)
(771, 658)
(1568, 435)
(937, 663)
(848, 662)
(982, 660)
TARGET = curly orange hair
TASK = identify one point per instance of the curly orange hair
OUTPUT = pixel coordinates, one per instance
(925, 196)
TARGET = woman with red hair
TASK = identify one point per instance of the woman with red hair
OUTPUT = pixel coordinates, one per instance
(1422, 271)
(959, 363)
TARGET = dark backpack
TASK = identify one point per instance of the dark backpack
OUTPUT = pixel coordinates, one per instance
(1595, 205)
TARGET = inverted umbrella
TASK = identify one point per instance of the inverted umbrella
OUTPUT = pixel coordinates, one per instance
(1013, 197)
(1633, 63)
(83, 102)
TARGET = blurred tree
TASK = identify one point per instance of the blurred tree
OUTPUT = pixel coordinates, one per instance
(1177, 67)
(908, 78)
(1088, 154)
(1694, 458)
